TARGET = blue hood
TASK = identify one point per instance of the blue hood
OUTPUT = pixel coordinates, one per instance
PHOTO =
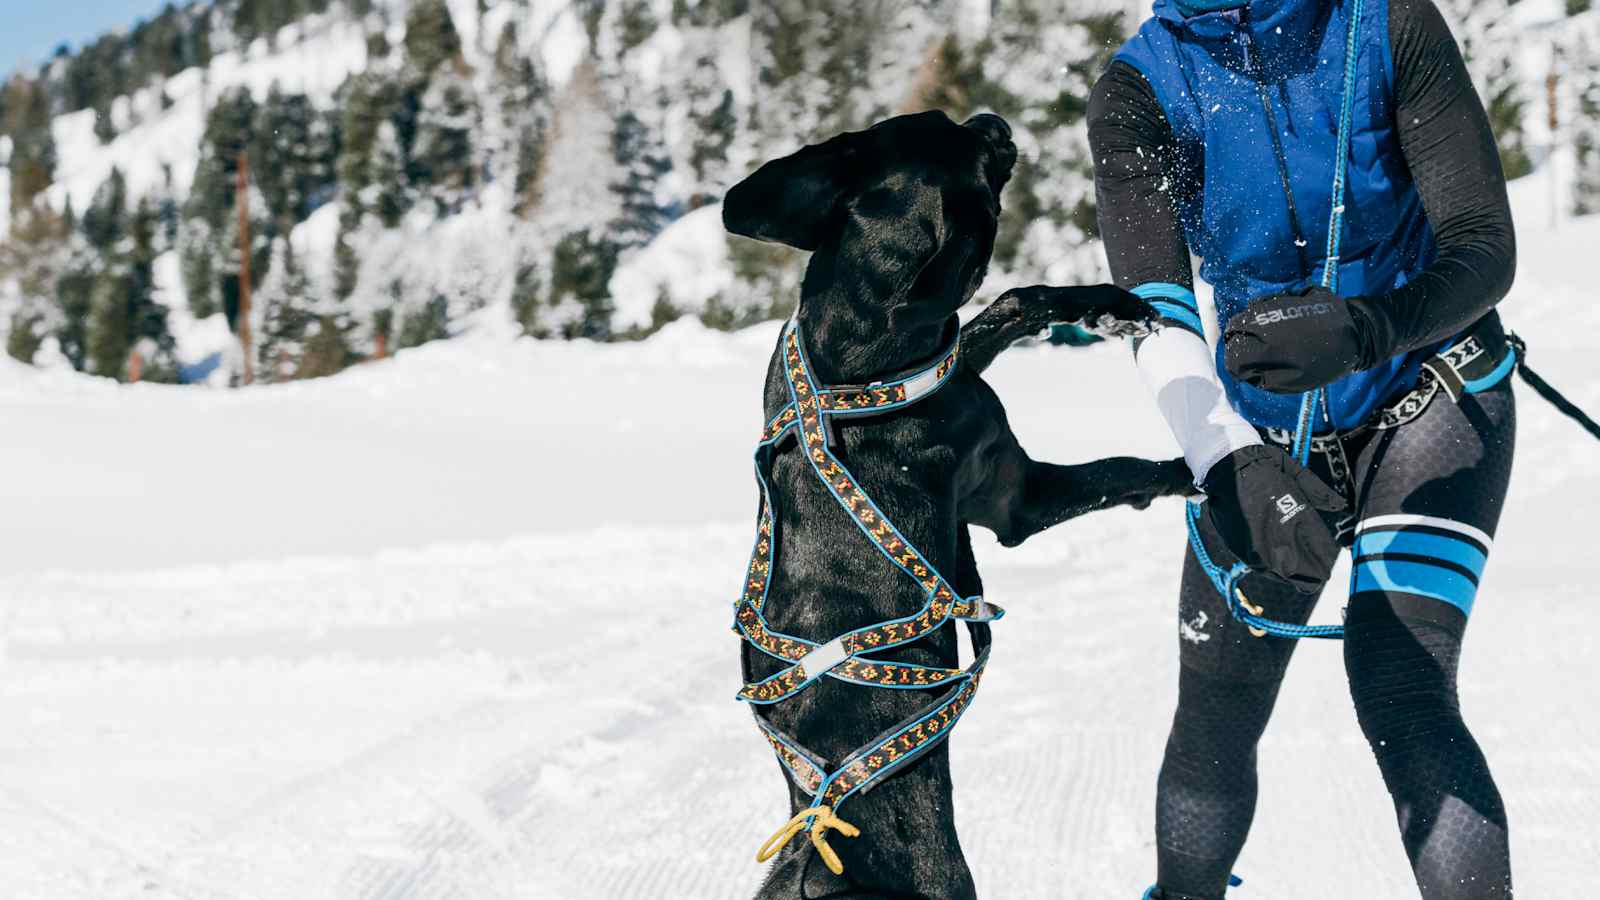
(1285, 34)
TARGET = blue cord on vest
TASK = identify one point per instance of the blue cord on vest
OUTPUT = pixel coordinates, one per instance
(1330, 264)
(1226, 583)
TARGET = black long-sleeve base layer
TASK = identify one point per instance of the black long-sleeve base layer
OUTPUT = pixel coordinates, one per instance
(1400, 654)
(1444, 136)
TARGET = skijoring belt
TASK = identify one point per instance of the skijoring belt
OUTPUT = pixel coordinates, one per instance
(807, 415)
(1476, 361)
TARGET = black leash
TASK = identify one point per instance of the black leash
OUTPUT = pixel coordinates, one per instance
(1549, 393)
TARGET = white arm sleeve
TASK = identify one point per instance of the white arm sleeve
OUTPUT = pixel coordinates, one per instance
(1180, 372)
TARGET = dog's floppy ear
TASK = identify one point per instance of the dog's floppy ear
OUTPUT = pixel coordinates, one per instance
(791, 200)
(944, 277)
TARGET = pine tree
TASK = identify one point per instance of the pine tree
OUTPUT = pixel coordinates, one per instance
(103, 222)
(73, 289)
(389, 194)
(442, 159)
(366, 102)
(346, 264)
(641, 162)
(285, 159)
(103, 128)
(715, 124)
(431, 37)
(523, 99)
(530, 168)
(526, 292)
(1489, 43)
(580, 279)
(109, 328)
(430, 323)
(1585, 68)
(148, 332)
(33, 148)
(31, 258)
(209, 214)
(636, 23)
(283, 316)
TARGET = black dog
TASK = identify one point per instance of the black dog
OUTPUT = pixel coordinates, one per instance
(901, 221)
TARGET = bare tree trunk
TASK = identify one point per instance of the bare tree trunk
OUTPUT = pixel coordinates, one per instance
(242, 201)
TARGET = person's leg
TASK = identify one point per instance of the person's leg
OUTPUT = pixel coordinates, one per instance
(1227, 684)
(1430, 500)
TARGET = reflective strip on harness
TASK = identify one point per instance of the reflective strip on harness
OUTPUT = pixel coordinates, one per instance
(823, 658)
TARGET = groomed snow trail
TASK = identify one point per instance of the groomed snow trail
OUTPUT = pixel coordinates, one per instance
(484, 653)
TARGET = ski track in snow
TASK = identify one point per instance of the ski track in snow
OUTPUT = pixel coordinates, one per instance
(513, 677)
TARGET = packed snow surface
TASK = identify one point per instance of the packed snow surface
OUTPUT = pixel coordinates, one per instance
(455, 625)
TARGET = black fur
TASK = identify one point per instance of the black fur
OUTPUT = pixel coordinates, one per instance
(901, 219)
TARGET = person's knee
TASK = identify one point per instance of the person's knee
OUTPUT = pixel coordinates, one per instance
(1402, 674)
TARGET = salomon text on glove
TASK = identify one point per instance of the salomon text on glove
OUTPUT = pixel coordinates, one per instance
(1289, 343)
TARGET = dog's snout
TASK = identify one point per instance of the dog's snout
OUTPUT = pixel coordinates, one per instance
(991, 126)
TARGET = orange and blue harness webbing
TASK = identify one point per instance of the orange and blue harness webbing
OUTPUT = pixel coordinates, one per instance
(806, 414)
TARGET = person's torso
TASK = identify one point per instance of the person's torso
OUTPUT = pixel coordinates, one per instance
(1215, 76)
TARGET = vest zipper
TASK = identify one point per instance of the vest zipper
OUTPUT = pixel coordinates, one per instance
(1253, 70)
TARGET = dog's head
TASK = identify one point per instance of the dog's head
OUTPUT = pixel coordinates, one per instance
(901, 215)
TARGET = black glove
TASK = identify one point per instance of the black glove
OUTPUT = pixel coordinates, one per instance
(1274, 515)
(1289, 343)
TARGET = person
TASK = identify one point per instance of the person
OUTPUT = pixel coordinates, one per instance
(1215, 132)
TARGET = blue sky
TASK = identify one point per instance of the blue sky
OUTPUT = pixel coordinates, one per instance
(33, 28)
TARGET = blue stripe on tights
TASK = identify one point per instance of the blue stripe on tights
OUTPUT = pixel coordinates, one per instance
(1416, 543)
(1417, 578)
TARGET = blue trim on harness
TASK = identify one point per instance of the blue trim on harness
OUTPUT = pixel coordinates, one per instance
(866, 766)
(1478, 385)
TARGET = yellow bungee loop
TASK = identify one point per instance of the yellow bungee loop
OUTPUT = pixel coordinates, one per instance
(1254, 611)
(825, 819)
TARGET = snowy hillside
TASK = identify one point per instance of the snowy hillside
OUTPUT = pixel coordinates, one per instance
(417, 166)
(396, 634)
(417, 169)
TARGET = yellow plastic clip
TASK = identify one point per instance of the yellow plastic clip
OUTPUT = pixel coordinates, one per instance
(825, 819)
(1254, 611)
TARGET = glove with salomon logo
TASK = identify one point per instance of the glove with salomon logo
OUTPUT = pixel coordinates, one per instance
(1289, 343)
(1274, 515)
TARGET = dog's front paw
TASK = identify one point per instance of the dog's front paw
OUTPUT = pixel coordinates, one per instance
(1111, 312)
(1102, 309)
(1170, 478)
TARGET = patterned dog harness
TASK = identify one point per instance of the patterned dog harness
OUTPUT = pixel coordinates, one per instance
(844, 657)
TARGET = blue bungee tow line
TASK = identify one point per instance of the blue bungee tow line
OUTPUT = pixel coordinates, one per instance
(1227, 583)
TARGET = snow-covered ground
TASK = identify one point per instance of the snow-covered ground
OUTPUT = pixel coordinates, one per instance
(399, 633)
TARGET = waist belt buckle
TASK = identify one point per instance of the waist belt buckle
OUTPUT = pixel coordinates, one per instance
(1446, 376)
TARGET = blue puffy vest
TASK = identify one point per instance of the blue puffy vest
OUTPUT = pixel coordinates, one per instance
(1230, 198)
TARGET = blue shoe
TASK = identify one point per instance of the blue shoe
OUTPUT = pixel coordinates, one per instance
(1154, 891)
